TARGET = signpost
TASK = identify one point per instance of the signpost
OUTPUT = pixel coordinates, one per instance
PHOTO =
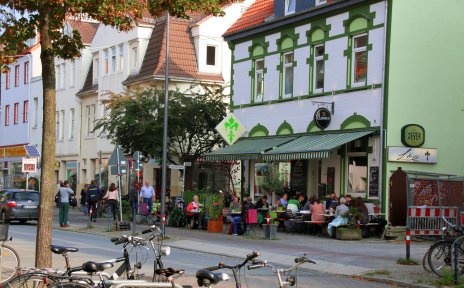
(138, 167)
(118, 160)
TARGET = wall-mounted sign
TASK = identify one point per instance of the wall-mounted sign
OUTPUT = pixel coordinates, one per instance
(412, 135)
(322, 118)
(412, 155)
(230, 129)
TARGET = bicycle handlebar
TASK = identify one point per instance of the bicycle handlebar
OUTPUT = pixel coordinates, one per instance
(129, 240)
(151, 229)
(248, 258)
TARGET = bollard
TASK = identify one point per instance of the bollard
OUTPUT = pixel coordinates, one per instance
(163, 220)
(408, 244)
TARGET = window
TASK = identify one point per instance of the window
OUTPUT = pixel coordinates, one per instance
(72, 73)
(319, 67)
(62, 118)
(288, 74)
(359, 59)
(134, 58)
(71, 123)
(16, 75)
(26, 72)
(25, 111)
(90, 112)
(211, 55)
(7, 79)
(57, 76)
(63, 76)
(36, 113)
(106, 67)
(7, 115)
(96, 70)
(259, 79)
(16, 113)
(121, 57)
(113, 59)
(290, 6)
(57, 119)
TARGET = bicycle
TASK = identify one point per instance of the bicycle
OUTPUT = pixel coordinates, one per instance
(290, 279)
(9, 258)
(206, 277)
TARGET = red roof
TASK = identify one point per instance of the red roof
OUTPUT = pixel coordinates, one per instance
(255, 14)
(86, 29)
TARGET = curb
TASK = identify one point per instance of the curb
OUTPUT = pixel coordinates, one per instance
(390, 282)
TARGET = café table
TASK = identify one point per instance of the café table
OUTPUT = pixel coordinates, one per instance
(304, 212)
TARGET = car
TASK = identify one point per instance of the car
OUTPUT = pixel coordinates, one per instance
(19, 204)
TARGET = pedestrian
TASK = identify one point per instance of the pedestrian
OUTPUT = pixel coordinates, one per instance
(134, 196)
(112, 196)
(146, 195)
(92, 197)
(65, 193)
(85, 208)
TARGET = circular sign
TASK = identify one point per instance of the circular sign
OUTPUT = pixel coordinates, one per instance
(322, 118)
(412, 135)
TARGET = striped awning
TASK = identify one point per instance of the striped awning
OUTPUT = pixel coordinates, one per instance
(313, 146)
(248, 148)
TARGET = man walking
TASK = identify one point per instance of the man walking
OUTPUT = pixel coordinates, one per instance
(91, 198)
(65, 193)
(146, 194)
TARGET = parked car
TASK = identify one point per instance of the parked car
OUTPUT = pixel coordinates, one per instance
(19, 204)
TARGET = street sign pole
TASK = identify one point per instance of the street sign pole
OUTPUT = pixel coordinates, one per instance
(100, 168)
(119, 184)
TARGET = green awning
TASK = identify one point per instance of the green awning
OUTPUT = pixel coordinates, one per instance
(314, 146)
(248, 148)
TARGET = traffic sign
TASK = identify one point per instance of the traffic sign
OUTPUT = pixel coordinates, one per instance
(177, 167)
(187, 164)
(117, 157)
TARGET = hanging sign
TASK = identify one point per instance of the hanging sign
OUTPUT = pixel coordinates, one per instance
(322, 118)
(230, 129)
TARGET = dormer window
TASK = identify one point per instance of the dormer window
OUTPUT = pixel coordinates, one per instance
(211, 55)
(290, 6)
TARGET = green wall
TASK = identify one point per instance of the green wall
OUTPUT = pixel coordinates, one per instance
(425, 74)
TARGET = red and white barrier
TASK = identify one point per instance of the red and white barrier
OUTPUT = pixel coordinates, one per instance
(426, 220)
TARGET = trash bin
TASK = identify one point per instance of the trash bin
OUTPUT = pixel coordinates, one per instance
(270, 231)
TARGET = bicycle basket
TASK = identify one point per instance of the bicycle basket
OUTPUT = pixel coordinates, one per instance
(4, 231)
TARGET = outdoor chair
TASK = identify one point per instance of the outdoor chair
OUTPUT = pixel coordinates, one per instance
(145, 212)
(251, 218)
(226, 223)
(294, 222)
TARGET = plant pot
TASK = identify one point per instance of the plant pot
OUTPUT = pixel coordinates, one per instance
(215, 226)
(270, 231)
(348, 234)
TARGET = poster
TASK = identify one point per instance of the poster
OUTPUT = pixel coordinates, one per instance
(373, 181)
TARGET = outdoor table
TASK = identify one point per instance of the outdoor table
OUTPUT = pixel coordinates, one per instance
(236, 213)
(304, 212)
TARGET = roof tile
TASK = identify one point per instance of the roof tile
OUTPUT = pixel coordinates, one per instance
(87, 30)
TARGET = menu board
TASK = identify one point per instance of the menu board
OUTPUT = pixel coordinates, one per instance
(298, 176)
(373, 181)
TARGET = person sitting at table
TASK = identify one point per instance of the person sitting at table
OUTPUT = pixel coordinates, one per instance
(348, 199)
(283, 202)
(358, 203)
(317, 210)
(263, 208)
(338, 220)
(248, 204)
(331, 202)
(234, 217)
(193, 212)
(303, 200)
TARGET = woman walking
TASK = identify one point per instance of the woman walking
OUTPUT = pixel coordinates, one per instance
(112, 196)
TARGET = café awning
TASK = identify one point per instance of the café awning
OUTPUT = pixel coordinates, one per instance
(313, 146)
(248, 148)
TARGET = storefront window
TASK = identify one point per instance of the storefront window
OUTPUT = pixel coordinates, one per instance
(357, 174)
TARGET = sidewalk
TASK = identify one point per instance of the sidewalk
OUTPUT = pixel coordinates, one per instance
(371, 258)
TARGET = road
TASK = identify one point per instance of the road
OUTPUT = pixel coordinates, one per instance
(99, 248)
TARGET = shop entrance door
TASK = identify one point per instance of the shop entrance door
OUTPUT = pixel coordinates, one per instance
(398, 198)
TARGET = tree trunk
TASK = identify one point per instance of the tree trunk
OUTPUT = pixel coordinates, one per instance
(47, 176)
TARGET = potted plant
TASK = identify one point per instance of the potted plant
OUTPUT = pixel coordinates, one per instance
(352, 230)
(213, 208)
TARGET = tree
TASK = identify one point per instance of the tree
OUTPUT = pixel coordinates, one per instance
(22, 20)
(135, 121)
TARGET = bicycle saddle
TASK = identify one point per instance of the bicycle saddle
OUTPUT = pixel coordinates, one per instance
(61, 249)
(92, 267)
(168, 272)
(210, 277)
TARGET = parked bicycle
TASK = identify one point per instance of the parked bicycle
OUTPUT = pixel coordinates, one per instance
(207, 278)
(289, 274)
(9, 259)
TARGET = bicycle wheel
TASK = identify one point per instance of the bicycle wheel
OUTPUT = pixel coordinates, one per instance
(425, 261)
(439, 258)
(9, 263)
(44, 280)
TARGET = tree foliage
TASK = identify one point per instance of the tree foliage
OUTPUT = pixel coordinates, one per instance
(135, 121)
(23, 20)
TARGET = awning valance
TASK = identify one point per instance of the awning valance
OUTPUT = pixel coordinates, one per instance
(248, 148)
(314, 146)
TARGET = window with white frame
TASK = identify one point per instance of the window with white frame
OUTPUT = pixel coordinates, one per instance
(134, 58)
(290, 6)
(26, 111)
(90, 112)
(26, 72)
(72, 73)
(106, 63)
(319, 68)
(288, 74)
(210, 55)
(359, 59)
(121, 57)
(16, 113)
(7, 115)
(35, 117)
(16, 75)
(57, 76)
(96, 69)
(57, 120)
(113, 59)
(7, 78)
(71, 123)
(62, 121)
(259, 79)
(63, 76)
